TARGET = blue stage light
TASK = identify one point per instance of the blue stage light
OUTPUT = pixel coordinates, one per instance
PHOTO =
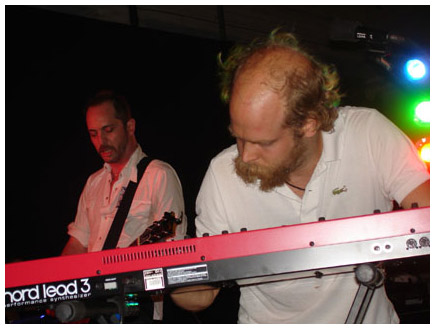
(415, 69)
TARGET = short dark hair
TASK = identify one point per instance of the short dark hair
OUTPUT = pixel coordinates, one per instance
(119, 102)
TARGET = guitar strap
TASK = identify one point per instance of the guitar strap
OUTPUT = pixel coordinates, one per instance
(123, 209)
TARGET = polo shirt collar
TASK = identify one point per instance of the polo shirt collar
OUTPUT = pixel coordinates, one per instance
(332, 141)
(331, 152)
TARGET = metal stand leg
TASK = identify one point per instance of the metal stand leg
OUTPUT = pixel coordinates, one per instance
(370, 277)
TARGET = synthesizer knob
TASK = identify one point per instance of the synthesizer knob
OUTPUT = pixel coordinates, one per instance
(411, 244)
(70, 311)
(424, 242)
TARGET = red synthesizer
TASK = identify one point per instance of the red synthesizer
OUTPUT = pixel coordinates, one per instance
(212, 259)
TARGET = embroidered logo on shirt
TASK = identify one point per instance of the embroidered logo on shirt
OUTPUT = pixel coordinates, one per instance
(339, 190)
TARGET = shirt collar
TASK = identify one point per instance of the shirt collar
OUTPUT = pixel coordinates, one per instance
(331, 151)
(332, 141)
(130, 169)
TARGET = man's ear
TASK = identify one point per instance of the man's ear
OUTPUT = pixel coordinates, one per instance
(310, 127)
(131, 126)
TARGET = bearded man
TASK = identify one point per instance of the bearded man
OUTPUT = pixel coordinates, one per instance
(294, 150)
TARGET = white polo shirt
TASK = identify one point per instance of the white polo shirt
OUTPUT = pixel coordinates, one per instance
(365, 164)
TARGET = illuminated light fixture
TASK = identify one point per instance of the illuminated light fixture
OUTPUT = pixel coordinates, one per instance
(423, 112)
(425, 153)
(415, 69)
(423, 147)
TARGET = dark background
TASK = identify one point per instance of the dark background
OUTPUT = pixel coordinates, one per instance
(163, 59)
(54, 63)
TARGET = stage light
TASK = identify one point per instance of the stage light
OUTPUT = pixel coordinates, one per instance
(423, 112)
(423, 147)
(425, 152)
(415, 69)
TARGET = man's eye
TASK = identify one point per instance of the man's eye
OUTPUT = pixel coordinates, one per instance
(266, 144)
(108, 129)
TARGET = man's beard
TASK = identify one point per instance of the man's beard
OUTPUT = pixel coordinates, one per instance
(275, 175)
(116, 152)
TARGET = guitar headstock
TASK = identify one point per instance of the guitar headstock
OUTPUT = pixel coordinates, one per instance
(160, 230)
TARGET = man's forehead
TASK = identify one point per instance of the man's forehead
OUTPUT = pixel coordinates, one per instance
(101, 115)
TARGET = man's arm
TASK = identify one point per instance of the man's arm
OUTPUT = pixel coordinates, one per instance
(420, 195)
(195, 298)
(73, 246)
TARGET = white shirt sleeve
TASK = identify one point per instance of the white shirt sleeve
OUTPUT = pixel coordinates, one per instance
(395, 158)
(167, 195)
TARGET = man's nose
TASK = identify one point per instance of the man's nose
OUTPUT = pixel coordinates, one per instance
(102, 138)
(248, 152)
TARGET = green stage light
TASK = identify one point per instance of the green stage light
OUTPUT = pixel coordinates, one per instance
(423, 112)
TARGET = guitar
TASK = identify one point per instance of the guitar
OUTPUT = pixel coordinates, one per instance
(159, 230)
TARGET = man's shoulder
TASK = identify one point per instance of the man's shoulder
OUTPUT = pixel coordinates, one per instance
(96, 177)
(352, 118)
(225, 157)
(352, 113)
(157, 169)
(160, 165)
(97, 174)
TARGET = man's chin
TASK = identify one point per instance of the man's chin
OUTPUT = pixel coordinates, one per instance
(265, 185)
(268, 178)
(108, 158)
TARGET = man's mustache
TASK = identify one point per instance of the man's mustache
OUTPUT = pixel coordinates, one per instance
(105, 148)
